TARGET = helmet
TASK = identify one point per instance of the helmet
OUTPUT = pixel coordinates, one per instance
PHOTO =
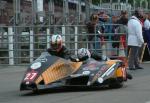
(83, 53)
(56, 42)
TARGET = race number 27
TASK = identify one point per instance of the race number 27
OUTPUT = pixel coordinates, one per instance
(30, 76)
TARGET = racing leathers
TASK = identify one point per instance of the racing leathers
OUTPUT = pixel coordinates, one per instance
(63, 52)
(97, 56)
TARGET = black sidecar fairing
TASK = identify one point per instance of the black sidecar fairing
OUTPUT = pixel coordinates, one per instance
(50, 71)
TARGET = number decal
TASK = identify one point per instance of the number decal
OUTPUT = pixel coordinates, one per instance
(27, 76)
(30, 76)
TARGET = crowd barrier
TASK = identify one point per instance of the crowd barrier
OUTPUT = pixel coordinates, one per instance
(20, 45)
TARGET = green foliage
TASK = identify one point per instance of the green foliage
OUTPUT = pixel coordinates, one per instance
(96, 2)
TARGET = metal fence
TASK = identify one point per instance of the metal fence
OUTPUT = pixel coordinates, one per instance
(21, 45)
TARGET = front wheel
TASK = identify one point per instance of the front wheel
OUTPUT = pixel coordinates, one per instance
(35, 91)
(116, 83)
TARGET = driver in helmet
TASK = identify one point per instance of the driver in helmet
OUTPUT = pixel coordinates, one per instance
(57, 48)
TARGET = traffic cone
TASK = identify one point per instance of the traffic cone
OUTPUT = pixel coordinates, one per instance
(123, 40)
(121, 50)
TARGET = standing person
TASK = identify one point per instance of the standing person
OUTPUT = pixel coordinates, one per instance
(123, 20)
(135, 40)
(57, 48)
(147, 30)
(93, 37)
(146, 22)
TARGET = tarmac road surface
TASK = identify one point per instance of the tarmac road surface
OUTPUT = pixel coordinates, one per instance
(134, 91)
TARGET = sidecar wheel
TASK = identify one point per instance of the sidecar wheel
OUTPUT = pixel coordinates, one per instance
(36, 91)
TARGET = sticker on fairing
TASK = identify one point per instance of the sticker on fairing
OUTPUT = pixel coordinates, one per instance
(100, 80)
(36, 65)
(109, 71)
(86, 72)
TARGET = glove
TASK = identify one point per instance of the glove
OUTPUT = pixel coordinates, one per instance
(104, 57)
(77, 60)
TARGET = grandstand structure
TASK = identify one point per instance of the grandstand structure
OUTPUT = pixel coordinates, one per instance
(24, 12)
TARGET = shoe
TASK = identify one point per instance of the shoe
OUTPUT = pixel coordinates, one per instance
(139, 68)
(132, 68)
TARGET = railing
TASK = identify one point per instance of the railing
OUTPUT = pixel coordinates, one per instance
(19, 48)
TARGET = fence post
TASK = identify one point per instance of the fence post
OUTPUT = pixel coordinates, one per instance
(48, 37)
(76, 39)
(11, 46)
(40, 10)
(63, 34)
(31, 45)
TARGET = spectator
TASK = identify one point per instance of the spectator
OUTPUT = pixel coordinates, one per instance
(147, 30)
(105, 22)
(135, 40)
(92, 30)
(123, 20)
(123, 28)
(146, 22)
(141, 16)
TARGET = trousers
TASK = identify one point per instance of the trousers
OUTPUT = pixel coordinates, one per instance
(133, 60)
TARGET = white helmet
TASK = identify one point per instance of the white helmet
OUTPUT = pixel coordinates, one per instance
(56, 42)
(83, 53)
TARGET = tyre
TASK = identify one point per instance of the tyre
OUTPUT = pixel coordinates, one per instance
(116, 83)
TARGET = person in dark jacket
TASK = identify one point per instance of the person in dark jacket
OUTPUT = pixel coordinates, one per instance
(57, 48)
(93, 37)
(123, 18)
